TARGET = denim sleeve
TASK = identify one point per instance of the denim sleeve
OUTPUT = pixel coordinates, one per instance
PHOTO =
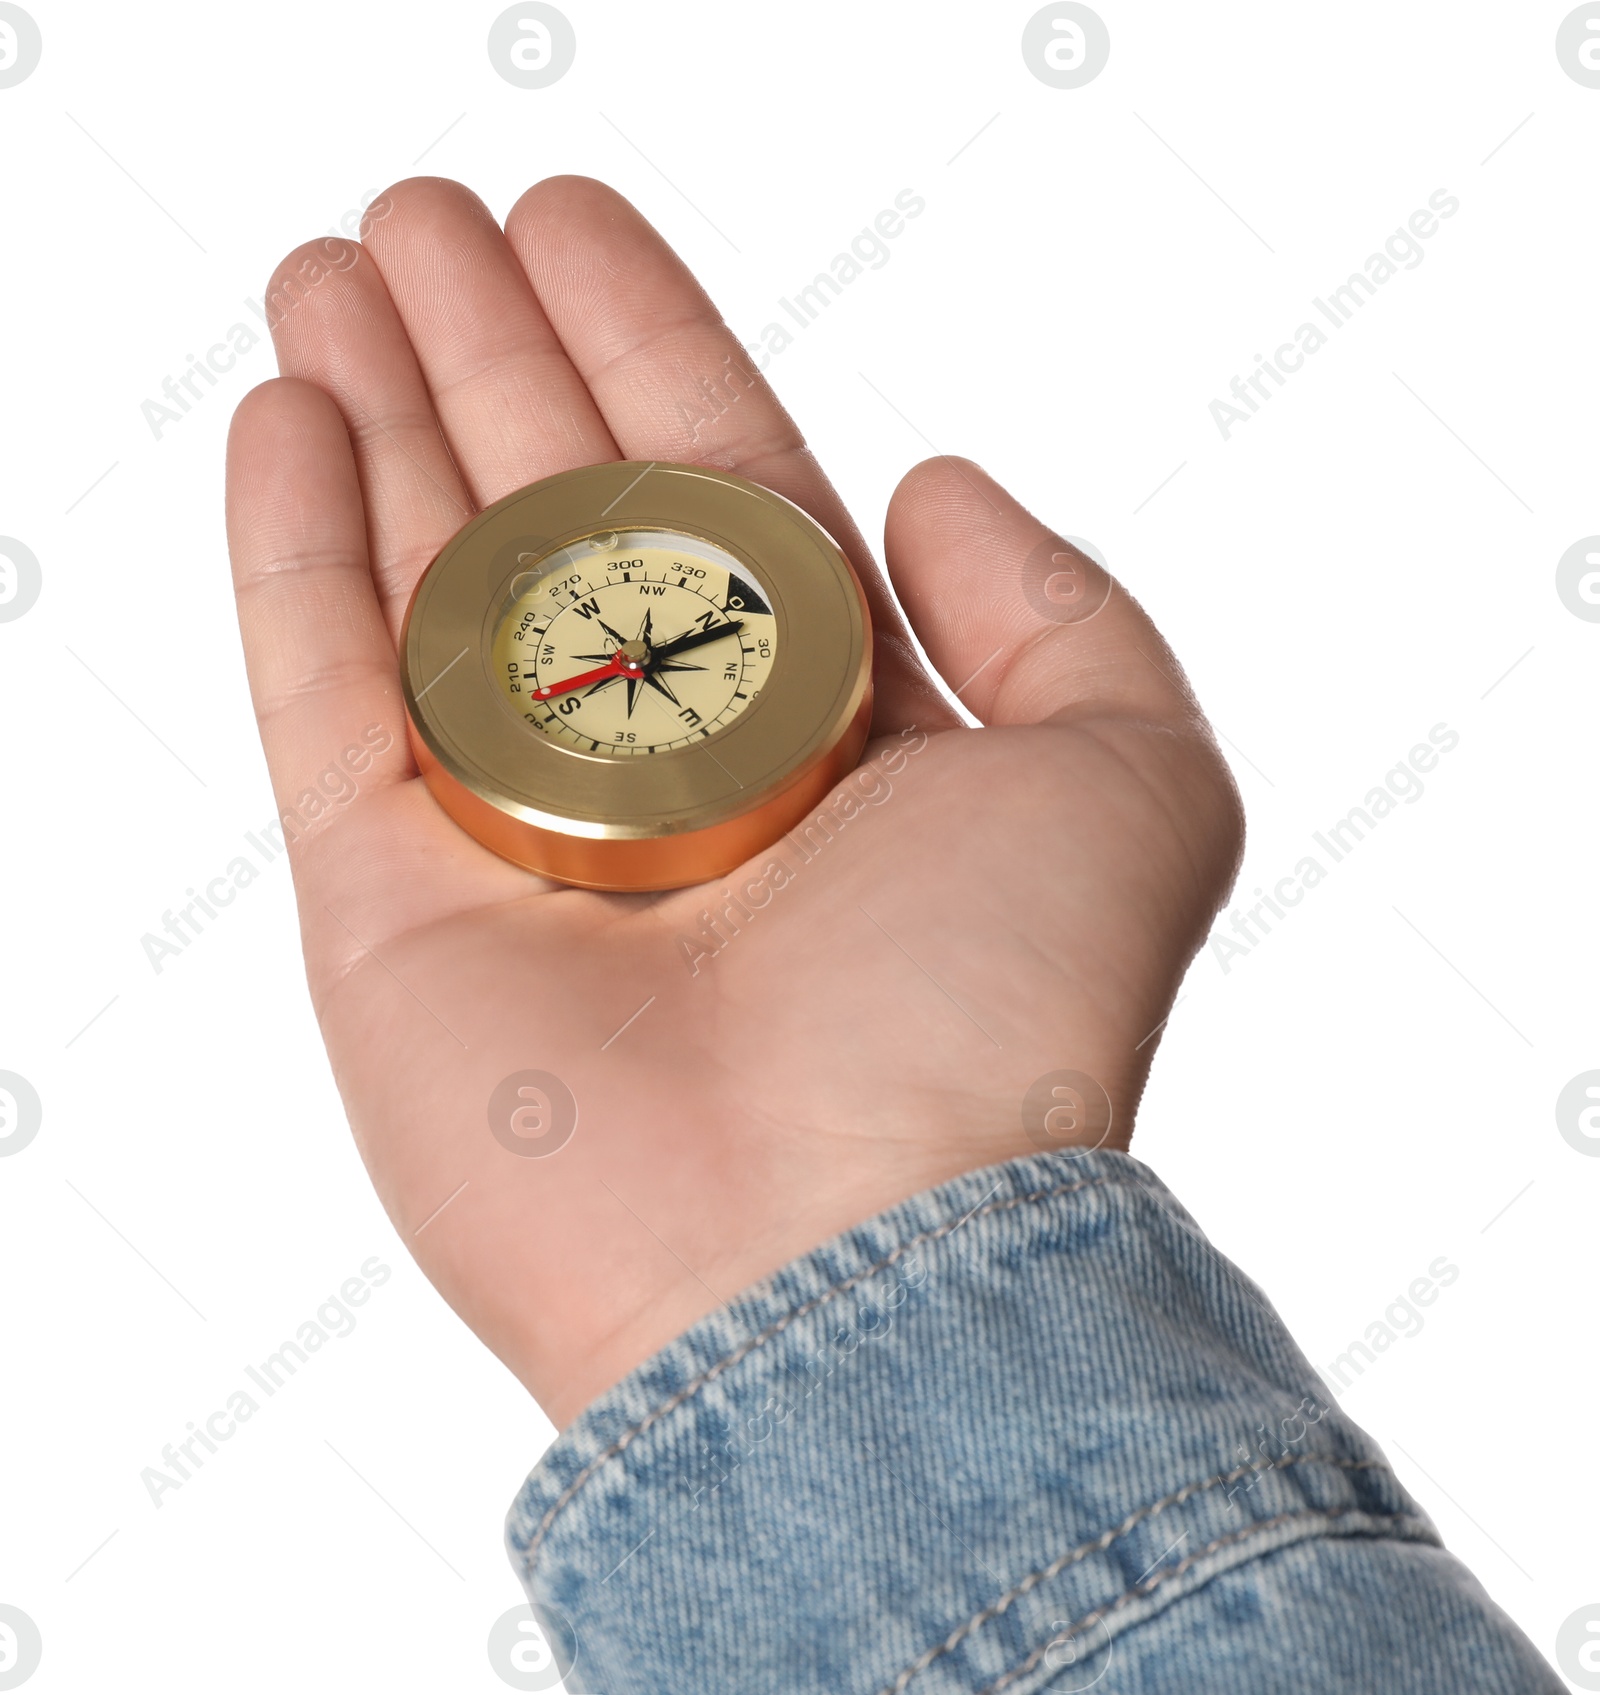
(1024, 1432)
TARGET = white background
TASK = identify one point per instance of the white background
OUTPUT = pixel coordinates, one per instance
(1368, 557)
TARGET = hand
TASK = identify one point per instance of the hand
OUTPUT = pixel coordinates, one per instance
(1025, 900)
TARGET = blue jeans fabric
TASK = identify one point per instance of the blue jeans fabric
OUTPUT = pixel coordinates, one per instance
(1027, 1431)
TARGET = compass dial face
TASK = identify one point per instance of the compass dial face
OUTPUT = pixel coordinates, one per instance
(631, 643)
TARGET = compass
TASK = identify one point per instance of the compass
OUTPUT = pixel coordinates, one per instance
(635, 676)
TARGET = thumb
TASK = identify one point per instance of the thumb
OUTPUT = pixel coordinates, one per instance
(1023, 627)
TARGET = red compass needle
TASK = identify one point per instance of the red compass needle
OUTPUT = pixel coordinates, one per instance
(619, 665)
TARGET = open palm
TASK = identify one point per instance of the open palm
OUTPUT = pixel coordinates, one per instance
(982, 906)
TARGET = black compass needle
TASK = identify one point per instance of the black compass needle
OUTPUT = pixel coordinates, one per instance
(681, 644)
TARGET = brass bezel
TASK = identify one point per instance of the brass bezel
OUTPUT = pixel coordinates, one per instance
(658, 820)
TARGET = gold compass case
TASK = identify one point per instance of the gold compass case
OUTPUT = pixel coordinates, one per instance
(726, 685)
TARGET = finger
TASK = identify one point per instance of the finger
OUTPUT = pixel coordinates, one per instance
(321, 664)
(511, 405)
(333, 324)
(673, 382)
(1023, 627)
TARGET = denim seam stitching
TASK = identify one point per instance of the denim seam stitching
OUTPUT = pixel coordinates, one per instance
(1148, 1586)
(1100, 1543)
(746, 1348)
